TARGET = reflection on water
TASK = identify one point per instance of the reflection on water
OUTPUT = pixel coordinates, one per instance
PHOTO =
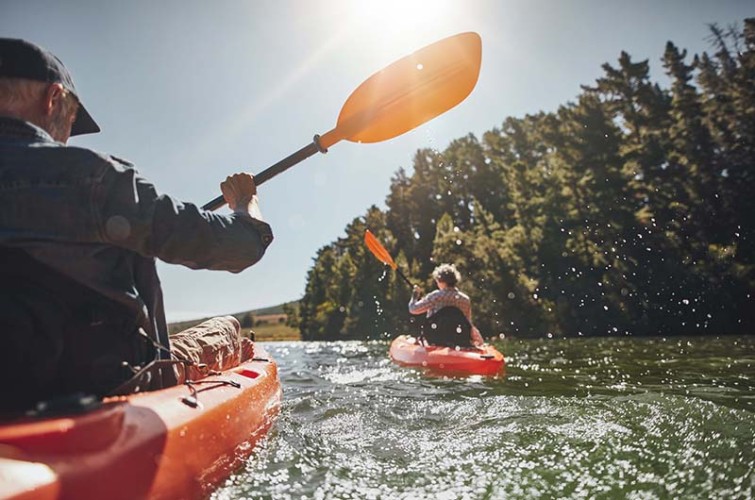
(581, 418)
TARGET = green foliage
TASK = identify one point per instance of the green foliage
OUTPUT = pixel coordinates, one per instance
(628, 211)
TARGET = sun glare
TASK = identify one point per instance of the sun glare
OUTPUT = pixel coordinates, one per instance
(401, 22)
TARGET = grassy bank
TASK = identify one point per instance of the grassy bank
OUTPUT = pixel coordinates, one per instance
(268, 325)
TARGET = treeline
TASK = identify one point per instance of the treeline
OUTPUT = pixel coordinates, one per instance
(628, 212)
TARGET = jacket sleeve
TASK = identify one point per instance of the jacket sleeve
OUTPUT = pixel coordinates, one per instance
(134, 215)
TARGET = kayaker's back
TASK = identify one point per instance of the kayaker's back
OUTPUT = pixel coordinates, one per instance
(60, 337)
(448, 327)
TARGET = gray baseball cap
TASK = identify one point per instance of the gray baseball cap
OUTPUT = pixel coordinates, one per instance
(22, 59)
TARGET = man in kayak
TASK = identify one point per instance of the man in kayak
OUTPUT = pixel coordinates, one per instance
(81, 306)
(444, 324)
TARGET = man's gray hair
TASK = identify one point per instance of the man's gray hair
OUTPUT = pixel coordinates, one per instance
(448, 274)
(17, 96)
(15, 93)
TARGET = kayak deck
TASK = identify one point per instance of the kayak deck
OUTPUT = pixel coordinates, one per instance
(160, 444)
(406, 351)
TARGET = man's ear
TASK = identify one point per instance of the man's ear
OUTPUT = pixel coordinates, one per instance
(53, 95)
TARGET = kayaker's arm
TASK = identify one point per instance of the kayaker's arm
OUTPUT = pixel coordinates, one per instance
(154, 224)
(426, 303)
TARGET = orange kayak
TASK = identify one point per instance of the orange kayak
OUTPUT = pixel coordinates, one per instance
(160, 444)
(405, 351)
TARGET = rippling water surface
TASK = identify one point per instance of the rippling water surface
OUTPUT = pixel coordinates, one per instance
(581, 418)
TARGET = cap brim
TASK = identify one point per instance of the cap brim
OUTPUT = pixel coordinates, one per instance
(84, 123)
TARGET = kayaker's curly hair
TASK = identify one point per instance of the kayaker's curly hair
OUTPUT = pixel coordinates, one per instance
(448, 274)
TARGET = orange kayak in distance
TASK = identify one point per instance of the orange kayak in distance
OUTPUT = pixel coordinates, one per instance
(171, 443)
(406, 351)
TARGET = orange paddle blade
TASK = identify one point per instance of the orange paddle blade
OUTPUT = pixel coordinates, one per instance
(410, 91)
(378, 250)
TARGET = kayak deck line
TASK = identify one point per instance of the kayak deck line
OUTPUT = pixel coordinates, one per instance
(407, 351)
(151, 444)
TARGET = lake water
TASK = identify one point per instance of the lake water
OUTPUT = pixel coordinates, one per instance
(578, 418)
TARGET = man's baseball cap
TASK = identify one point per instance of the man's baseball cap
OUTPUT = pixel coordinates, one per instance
(22, 59)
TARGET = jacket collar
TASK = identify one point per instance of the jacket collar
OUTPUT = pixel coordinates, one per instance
(13, 128)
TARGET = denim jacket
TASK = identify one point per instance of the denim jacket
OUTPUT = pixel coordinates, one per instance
(95, 219)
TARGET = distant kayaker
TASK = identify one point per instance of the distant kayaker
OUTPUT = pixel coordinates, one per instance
(81, 305)
(444, 326)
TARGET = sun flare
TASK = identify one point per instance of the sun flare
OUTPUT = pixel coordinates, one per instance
(401, 22)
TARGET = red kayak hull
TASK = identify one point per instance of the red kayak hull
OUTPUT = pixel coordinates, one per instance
(150, 445)
(405, 351)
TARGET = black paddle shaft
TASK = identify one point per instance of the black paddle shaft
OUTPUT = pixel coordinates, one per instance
(405, 278)
(272, 171)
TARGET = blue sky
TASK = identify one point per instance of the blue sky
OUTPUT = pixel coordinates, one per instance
(192, 90)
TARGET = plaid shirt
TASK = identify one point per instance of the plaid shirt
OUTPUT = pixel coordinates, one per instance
(438, 299)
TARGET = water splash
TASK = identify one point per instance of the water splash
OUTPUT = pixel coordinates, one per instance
(579, 418)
